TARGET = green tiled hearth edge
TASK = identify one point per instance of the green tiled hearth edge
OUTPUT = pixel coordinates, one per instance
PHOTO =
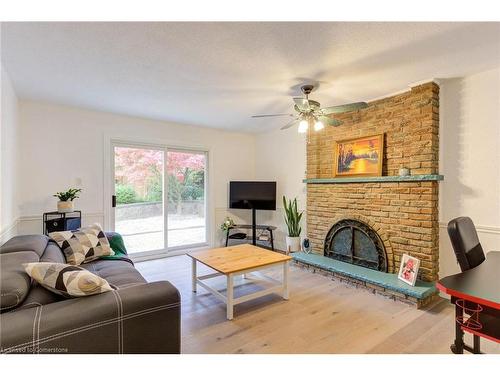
(347, 180)
(388, 281)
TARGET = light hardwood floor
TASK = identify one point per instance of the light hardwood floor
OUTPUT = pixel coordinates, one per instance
(322, 316)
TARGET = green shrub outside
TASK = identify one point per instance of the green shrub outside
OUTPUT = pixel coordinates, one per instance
(155, 190)
(192, 188)
(125, 194)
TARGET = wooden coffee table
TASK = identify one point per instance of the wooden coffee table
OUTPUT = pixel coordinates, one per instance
(240, 260)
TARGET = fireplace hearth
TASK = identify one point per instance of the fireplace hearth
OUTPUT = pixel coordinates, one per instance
(355, 242)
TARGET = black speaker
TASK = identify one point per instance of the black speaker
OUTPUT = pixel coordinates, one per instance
(306, 246)
(54, 225)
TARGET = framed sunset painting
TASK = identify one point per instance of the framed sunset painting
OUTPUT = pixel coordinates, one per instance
(359, 157)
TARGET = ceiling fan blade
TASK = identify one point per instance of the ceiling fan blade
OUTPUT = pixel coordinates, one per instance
(344, 108)
(290, 124)
(302, 104)
(276, 115)
(329, 121)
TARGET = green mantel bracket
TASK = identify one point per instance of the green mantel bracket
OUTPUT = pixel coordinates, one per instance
(350, 180)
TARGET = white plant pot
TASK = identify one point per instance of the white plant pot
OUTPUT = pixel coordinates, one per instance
(65, 206)
(292, 244)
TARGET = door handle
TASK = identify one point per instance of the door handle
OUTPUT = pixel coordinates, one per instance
(113, 201)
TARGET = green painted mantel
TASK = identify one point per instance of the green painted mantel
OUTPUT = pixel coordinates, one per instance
(381, 179)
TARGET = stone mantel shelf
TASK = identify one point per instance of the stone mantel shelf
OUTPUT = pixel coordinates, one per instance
(350, 180)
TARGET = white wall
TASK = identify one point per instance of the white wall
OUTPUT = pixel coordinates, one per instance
(8, 158)
(62, 144)
(281, 156)
(470, 159)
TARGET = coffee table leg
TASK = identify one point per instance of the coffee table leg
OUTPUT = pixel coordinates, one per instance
(229, 311)
(193, 262)
(285, 280)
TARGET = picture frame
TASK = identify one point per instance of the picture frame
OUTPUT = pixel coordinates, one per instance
(359, 156)
(408, 270)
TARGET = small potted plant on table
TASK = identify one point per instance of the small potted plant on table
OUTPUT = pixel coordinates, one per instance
(227, 224)
(66, 198)
(292, 221)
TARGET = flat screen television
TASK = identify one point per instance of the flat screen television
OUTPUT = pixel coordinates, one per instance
(258, 195)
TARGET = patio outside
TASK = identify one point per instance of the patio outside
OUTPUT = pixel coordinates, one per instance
(145, 234)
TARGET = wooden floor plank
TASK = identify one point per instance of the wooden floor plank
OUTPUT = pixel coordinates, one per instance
(322, 316)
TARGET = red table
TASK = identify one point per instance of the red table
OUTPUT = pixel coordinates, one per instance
(476, 296)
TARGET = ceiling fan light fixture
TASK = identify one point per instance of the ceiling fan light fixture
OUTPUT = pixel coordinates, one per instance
(312, 116)
(303, 126)
(318, 125)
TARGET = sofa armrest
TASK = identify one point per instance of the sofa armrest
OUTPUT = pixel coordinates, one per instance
(140, 319)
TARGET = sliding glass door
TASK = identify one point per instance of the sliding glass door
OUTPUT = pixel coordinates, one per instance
(186, 198)
(139, 209)
(159, 197)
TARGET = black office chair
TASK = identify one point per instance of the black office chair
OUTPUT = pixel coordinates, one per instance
(465, 242)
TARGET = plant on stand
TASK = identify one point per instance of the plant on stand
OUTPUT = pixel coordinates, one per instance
(292, 221)
(228, 223)
(225, 226)
(66, 199)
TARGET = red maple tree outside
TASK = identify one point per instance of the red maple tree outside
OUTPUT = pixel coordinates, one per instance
(178, 162)
(142, 170)
(134, 165)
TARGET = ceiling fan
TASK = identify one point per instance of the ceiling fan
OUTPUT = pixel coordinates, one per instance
(309, 112)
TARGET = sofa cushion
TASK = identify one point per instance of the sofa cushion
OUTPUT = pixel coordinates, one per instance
(119, 273)
(67, 280)
(117, 245)
(83, 245)
(39, 296)
(32, 242)
(53, 254)
(14, 282)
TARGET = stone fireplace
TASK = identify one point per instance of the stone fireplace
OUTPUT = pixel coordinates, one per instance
(373, 221)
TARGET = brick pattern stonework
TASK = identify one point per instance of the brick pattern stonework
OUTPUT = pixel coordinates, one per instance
(404, 214)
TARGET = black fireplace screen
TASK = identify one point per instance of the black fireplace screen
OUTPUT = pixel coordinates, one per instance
(355, 242)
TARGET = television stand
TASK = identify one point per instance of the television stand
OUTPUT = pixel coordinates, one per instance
(253, 239)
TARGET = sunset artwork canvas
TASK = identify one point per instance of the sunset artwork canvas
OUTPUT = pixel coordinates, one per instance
(359, 157)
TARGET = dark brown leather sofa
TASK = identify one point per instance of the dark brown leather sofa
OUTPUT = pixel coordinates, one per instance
(139, 317)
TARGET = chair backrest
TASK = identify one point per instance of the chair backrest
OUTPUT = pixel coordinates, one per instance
(465, 242)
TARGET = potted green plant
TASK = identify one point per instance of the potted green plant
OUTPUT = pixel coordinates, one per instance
(292, 221)
(66, 198)
(228, 223)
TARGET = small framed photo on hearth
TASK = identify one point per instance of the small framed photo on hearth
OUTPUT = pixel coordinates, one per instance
(408, 270)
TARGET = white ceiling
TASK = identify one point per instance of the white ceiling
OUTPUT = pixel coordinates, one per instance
(219, 74)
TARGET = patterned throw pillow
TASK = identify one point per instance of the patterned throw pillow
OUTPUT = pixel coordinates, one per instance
(66, 280)
(83, 245)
